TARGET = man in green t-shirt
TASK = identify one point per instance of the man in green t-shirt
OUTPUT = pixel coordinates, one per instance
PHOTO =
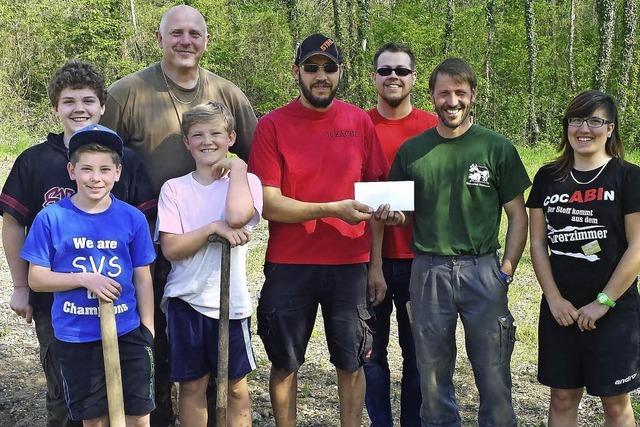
(464, 176)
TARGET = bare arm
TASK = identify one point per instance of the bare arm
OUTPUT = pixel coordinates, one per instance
(621, 279)
(239, 207)
(13, 235)
(42, 279)
(144, 295)
(562, 310)
(516, 234)
(377, 284)
(285, 209)
(180, 246)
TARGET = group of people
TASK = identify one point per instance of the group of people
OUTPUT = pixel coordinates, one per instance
(80, 230)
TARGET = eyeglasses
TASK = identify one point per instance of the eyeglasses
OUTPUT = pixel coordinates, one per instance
(400, 71)
(592, 122)
(328, 67)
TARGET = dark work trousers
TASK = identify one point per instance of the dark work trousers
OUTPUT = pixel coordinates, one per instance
(397, 273)
(443, 288)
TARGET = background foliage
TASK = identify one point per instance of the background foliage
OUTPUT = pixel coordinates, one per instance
(252, 43)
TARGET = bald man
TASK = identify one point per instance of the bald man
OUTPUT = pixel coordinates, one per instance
(146, 108)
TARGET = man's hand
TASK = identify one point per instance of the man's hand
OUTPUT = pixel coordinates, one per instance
(235, 236)
(351, 211)
(589, 314)
(103, 287)
(387, 216)
(377, 285)
(563, 311)
(20, 302)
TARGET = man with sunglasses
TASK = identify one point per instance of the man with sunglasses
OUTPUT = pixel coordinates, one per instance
(464, 175)
(395, 120)
(308, 155)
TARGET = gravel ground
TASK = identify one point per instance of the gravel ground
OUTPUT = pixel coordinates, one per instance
(22, 383)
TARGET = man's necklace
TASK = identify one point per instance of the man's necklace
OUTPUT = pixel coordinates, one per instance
(592, 179)
(175, 96)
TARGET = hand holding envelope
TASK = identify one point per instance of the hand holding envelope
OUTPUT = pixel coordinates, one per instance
(391, 198)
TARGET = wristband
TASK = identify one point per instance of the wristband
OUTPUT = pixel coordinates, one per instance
(505, 277)
(605, 300)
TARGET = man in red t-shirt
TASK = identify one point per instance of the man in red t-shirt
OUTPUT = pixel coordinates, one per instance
(395, 121)
(308, 154)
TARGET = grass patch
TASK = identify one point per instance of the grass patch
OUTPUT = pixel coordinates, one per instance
(14, 140)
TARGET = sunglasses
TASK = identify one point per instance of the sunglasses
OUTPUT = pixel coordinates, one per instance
(329, 67)
(400, 71)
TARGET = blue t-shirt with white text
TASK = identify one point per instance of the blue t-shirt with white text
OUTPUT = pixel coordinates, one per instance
(112, 243)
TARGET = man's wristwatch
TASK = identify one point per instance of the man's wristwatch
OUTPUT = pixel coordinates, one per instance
(505, 277)
(605, 300)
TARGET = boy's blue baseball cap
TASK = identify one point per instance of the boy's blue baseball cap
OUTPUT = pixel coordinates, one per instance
(96, 134)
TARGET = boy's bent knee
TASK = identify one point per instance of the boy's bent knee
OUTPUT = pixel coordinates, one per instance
(137, 420)
(197, 386)
(238, 389)
(563, 400)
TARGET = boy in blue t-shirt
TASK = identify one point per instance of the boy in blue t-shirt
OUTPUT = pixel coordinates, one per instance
(93, 246)
(77, 95)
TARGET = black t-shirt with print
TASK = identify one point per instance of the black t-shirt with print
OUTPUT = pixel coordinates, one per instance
(585, 224)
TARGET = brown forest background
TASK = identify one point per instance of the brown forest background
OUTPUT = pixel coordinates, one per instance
(531, 56)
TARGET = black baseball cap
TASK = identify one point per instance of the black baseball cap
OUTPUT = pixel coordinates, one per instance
(95, 134)
(317, 44)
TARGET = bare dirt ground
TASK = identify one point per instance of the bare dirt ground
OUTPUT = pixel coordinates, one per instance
(22, 385)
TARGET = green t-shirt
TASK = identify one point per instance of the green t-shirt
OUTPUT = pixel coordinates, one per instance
(460, 187)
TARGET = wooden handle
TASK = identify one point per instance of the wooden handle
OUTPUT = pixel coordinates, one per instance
(112, 372)
(222, 377)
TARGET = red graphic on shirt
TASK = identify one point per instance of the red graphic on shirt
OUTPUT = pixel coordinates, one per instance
(55, 194)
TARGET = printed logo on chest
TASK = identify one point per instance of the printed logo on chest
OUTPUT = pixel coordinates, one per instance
(55, 194)
(478, 175)
(342, 133)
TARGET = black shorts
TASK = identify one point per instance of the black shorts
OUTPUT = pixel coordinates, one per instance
(287, 311)
(605, 360)
(82, 368)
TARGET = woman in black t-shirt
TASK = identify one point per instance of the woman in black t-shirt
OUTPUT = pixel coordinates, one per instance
(585, 247)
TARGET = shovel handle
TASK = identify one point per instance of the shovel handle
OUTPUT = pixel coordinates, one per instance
(111, 355)
(223, 332)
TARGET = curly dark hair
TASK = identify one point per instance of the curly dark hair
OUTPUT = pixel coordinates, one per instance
(76, 75)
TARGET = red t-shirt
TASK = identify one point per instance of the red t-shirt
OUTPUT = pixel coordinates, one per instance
(392, 134)
(316, 156)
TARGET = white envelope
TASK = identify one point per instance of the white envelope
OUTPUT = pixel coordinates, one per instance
(397, 194)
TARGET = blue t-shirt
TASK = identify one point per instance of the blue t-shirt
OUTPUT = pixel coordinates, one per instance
(112, 243)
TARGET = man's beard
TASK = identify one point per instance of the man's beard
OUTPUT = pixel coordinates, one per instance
(442, 115)
(393, 102)
(315, 101)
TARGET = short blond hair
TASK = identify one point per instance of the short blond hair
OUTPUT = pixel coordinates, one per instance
(208, 112)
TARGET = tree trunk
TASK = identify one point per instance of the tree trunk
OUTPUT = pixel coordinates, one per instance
(532, 128)
(606, 10)
(628, 51)
(448, 29)
(572, 35)
(292, 21)
(488, 97)
(360, 45)
(337, 34)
